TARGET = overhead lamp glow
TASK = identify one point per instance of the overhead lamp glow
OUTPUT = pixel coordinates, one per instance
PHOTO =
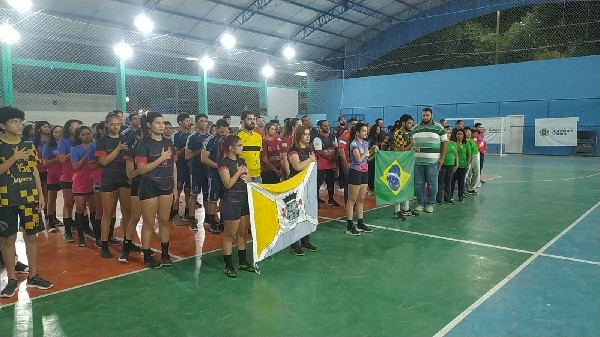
(268, 71)
(191, 58)
(123, 50)
(21, 5)
(143, 23)
(227, 41)
(8, 34)
(301, 73)
(207, 63)
(289, 52)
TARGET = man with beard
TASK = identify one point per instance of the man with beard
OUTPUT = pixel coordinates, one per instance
(251, 145)
(260, 126)
(337, 131)
(430, 144)
(325, 145)
(307, 122)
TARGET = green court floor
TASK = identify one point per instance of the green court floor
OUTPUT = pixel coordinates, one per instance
(405, 279)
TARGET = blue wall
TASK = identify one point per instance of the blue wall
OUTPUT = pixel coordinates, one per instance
(538, 89)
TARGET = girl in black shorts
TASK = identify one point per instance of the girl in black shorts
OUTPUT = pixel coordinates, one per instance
(155, 158)
(110, 151)
(234, 204)
(300, 155)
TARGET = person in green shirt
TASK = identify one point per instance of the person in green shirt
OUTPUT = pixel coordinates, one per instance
(447, 170)
(473, 168)
(464, 158)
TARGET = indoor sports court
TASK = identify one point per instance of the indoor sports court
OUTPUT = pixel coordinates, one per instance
(520, 257)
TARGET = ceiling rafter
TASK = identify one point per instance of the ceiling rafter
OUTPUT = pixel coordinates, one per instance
(357, 7)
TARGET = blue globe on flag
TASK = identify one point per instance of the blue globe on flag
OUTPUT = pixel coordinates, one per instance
(393, 177)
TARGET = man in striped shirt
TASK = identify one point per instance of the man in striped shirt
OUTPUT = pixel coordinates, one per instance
(430, 144)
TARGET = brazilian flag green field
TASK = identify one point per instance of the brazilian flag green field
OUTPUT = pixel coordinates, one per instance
(394, 176)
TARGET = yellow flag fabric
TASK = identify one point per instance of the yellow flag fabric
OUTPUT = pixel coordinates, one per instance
(282, 213)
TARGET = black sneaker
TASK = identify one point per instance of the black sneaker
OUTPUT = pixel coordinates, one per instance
(400, 216)
(166, 260)
(461, 200)
(68, 237)
(221, 226)
(21, 268)
(11, 288)
(105, 253)
(38, 282)
(194, 225)
(246, 267)
(310, 247)
(150, 262)
(52, 228)
(214, 228)
(333, 203)
(113, 241)
(449, 202)
(363, 228)
(124, 257)
(296, 250)
(352, 231)
(410, 212)
(80, 242)
(89, 233)
(231, 272)
(98, 243)
(56, 222)
(185, 218)
(473, 192)
(134, 248)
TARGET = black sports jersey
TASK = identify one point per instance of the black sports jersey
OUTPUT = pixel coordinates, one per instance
(180, 140)
(194, 143)
(212, 145)
(239, 190)
(149, 150)
(17, 185)
(114, 172)
(130, 156)
(303, 154)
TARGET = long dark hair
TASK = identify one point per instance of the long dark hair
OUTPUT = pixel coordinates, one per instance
(289, 127)
(354, 130)
(51, 140)
(79, 129)
(227, 142)
(37, 138)
(66, 133)
(454, 138)
(373, 133)
(26, 131)
(99, 126)
(148, 119)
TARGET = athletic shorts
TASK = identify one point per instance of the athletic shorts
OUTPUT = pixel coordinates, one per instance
(43, 176)
(199, 182)
(83, 194)
(25, 218)
(111, 187)
(233, 210)
(183, 177)
(97, 187)
(135, 187)
(54, 187)
(357, 178)
(215, 187)
(66, 185)
(149, 190)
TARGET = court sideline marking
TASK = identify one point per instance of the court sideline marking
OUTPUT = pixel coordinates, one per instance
(508, 278)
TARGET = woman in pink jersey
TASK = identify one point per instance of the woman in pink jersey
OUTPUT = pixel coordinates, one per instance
(83, 184)
(66, 176)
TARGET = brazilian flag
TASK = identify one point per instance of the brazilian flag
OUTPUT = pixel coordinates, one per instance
(394, 181)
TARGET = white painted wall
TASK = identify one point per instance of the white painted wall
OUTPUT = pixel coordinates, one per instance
(282, 103)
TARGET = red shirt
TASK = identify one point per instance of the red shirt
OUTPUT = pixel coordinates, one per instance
(261, 133)
(272, 150)
(327, 143)
(338, 130)
(286, 143)
(481, 143)
(343, 144)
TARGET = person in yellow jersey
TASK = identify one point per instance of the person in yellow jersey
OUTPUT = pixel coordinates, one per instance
(252, 145)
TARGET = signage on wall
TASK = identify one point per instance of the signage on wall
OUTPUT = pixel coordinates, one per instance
(556, 131)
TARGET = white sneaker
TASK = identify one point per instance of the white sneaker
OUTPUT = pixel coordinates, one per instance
(419, 208)
(429, 209)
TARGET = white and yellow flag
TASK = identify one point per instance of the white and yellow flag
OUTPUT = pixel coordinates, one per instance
(283, 213)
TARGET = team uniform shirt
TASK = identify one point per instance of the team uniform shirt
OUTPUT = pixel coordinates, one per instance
(428, 139)
(97, 172)
(54, 171)
(286, 143)
(338, 130)
(194, 143)
(261, 133)
(343, 144)
(239, 190)
(180, 140)
(450, 159)
(272, 150)
(361, 166)
(64, 148)
(481, 143)
(130, 156)
(40, 149)
(149, 150)
(463, 153)
(17, 185)
(212, 144)
(474, 147)
(252, 146)
(129, 135)
(303, 154)
(398, 139)
(114, 172)
(82, 180)
(327, 143)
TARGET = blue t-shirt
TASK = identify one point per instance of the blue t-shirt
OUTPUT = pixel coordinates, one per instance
(362, 166)
(194, 143)
(91, 152)
(179, 141)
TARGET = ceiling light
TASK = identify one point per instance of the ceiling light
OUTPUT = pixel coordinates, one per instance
(301, 73)
(268, 71)
(143, 23)
(289, 52)
(207, 63)
(123, 50)
(191, 58)
(8, 34)
(21, 5)
(227, 41)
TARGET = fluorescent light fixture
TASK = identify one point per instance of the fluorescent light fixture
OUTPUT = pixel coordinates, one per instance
(8, 34)
(21, 5)
(227, 41)
(207, 63)
(123, 50)
(301, 73)
(191, 58)
(143, 23)
(127, 99)
(268, 71)
(289, 52)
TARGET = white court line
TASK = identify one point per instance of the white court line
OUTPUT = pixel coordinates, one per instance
(502, 283)
(547, 180)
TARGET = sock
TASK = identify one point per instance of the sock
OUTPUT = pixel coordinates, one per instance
(173, 213)
(67, 222)
(111, 231)
(360, 221)
(96, 228)
(186, 211)
(209, 219)
(165, 248)
(350, 223)
(79, 224)
(242, 256)
(86, 223)
(397, 208)
(147, 254)
(104, 245)
(192, 218)
(126, 246)
(228, 261)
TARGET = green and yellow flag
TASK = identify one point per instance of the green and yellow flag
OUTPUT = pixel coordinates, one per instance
(394, 181)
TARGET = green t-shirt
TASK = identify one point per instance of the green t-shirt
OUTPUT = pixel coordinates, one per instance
(474, 148)
(450, 148)
(17, 185)
(428, 138)
(463, 151)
